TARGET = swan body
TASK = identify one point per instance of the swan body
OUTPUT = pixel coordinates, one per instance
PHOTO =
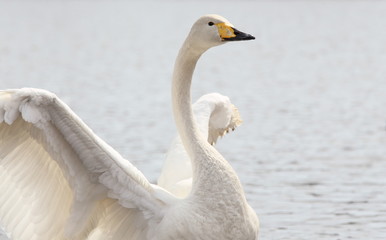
(58, 180)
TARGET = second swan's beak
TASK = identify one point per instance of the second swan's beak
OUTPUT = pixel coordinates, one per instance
(228, 33)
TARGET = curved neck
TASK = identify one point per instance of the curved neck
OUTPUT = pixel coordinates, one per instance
(204, 158)
(194, 142)
(191, 137)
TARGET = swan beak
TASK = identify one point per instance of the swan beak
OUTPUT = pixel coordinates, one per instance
(229, 33)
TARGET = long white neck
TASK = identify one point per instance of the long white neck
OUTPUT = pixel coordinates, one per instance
(182, 107)
(206, 161)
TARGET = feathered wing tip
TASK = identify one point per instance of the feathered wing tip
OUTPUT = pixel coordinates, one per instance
(235, 121)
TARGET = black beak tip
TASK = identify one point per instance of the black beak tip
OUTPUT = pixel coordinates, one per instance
(249, 37)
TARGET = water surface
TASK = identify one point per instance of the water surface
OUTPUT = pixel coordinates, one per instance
(311, 90)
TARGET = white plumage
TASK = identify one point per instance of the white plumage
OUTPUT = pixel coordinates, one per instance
(215, 116)
(58, 180)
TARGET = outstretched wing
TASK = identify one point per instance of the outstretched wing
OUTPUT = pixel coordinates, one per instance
(224, 116)
(55, 172)
(215, 116)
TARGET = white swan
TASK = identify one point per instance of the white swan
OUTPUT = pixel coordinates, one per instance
(215, 116)
(58, 180)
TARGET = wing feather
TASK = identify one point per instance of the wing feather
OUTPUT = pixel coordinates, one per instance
(55, 172)
(30, 185)
(224, 118)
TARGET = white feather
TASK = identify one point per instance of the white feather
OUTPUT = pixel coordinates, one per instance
(55, 163)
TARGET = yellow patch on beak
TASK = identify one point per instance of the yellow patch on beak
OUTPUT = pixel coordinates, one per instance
(225, 30)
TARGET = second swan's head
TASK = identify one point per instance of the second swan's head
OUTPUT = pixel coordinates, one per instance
(212, 30)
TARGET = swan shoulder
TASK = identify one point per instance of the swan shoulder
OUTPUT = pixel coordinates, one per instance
(55, 172)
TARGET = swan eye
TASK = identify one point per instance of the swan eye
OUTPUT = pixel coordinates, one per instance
(210, 23)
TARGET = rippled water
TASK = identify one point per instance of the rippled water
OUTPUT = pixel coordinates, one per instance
(311, 89)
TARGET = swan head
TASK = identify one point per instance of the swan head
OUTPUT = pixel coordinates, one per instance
(213, 30)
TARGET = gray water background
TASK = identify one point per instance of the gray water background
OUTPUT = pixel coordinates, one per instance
(311, 89)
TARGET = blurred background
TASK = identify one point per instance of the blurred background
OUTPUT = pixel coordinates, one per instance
(311, 89)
